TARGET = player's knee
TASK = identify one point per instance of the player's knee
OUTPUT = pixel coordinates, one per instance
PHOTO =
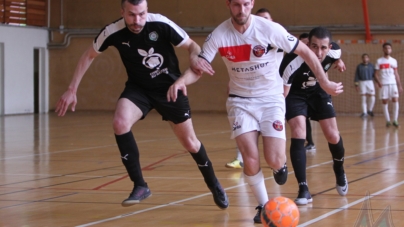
(191, 145)
(120, 126)
(251, 165)
(333, 138)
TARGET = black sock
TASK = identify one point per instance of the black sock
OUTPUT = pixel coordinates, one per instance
(337, 152)
(205, 166)
(130, 157)
(298, 158)
(309, 138)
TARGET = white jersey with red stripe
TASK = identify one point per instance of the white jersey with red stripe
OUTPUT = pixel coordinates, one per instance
(386, 66)
(250, 57)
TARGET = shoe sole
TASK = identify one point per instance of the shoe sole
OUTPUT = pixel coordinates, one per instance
(233, 167)
(128, 203)
(303, 201)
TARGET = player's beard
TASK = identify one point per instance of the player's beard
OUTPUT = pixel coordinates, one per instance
(135, 28)
(241, 20)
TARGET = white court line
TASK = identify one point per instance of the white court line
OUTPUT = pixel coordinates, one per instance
(111, 145)
(349, 205)
(236, 186)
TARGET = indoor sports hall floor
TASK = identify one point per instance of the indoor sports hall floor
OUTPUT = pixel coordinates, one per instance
(68, 172)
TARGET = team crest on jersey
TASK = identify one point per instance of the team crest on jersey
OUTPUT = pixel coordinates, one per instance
(258, 51)
(278, 126)
(327, 66)
(153, 61)
(291, 38)
(153, 36)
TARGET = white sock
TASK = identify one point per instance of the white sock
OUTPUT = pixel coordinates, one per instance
(364, 108)
(257, 185)
(371, 102)
(238, 155)
(395, 111)
(386, 112)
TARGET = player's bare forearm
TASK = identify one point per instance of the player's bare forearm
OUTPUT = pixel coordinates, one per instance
(69, 97)
(193, 49)
(398, 81)
(377, 79)
(189, 77)
(81, 68)
(340, 65)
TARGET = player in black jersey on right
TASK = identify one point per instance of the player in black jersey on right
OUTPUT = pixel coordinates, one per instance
(307, 99)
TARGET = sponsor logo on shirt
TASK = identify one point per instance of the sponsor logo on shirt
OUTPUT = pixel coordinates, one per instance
(278, 126)
(153, 36)
(250, 68)
(311, 80)
(236, 53)
(153, 60)
(258, 51)
(385, 66)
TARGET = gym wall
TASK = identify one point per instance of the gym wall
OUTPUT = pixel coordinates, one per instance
(104, 81)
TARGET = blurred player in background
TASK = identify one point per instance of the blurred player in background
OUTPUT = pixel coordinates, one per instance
(389, 82)
(364, 76)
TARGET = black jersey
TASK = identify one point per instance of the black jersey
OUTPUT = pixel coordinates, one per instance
(149, 57)
(297, 74)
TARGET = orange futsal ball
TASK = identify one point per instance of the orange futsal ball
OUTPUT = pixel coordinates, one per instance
(280, 212)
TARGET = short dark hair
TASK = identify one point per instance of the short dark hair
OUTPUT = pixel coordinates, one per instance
(304, 36)
(263, 10)
(321, 33)
(133, 2)
(387, 44)
(365, 54)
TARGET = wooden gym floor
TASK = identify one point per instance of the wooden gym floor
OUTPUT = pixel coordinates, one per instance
(68, 172)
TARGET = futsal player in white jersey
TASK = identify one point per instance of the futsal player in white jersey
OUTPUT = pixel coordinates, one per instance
(248, 45)
(389, 82)
(238, 161)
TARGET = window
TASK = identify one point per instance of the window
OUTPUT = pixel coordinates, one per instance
(23, 12)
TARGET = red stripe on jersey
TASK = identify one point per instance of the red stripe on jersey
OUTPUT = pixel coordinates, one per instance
(236, 53)
(385, 66)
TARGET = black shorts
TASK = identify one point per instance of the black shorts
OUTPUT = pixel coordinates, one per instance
(317, 106)
(176, 112)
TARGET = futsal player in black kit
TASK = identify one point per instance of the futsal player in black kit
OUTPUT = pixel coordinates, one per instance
(145, 43)
(307, 99)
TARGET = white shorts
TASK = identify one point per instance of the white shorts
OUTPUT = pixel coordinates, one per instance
(366, 87)
(388, 91)
(265, 114)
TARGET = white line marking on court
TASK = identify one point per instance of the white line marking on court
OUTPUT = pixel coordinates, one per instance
(240, 185)
(349, 205)
(111, 145)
